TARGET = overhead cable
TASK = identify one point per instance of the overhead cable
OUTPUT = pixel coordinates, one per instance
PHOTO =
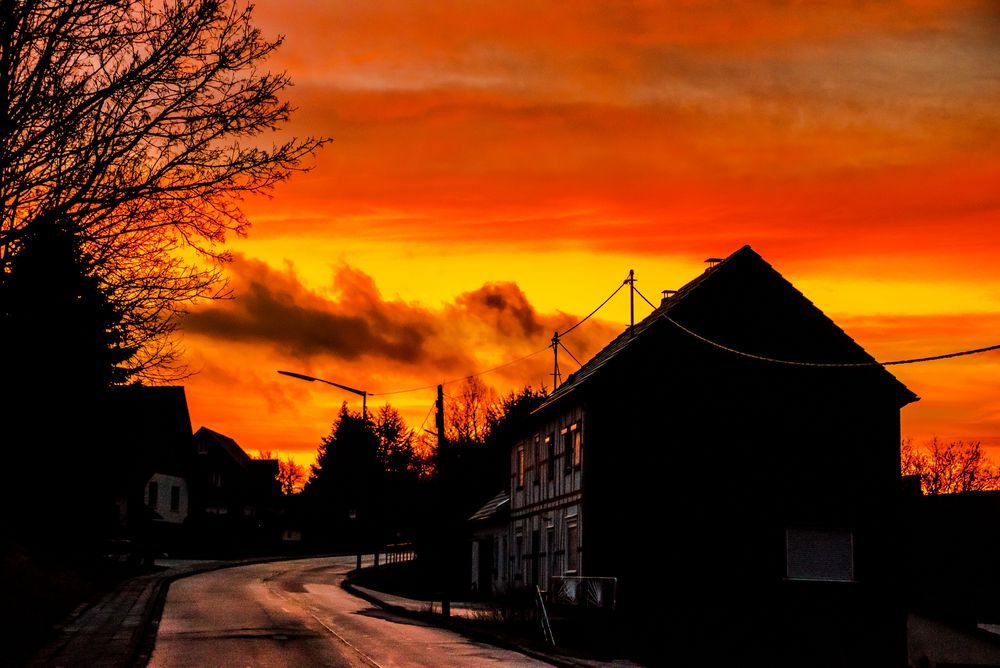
(594, 311)
(773, 360)
(455, 380)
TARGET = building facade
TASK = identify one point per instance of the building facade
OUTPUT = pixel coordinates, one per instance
(733, 456)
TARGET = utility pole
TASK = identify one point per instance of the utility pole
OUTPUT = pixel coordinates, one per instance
(556, 376)
(441, 445)
(631, 302)
(439, 417)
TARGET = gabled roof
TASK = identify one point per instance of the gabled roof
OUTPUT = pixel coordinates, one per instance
(744, 304)
(491, 508)
(150, 429)
(225, 444)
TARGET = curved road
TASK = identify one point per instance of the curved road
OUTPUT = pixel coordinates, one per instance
(294, 613)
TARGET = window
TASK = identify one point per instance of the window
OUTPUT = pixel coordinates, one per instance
(568, 449)
(550, 550)
(519, 463)
(496, 558)
(175, 498)
(572, 547)
(819, 554)
(504, 568)
(550, 445)
(217, 479)
(577, 444)
(152, 493)
(518, 558)
(536, 453)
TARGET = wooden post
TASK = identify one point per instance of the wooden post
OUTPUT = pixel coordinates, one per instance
(555, 360)
(441, 444)
(631, 302)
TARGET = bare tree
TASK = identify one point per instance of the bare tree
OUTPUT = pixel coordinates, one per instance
(948, 468)
(469, 411)
(137, 125)
(291, 476)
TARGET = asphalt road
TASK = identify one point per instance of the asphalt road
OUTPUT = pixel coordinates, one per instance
(294, 613)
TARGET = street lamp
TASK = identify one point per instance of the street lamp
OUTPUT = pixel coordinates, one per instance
(364, 394)
(352, 513)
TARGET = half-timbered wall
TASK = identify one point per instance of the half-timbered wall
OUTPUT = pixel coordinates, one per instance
(546, 487)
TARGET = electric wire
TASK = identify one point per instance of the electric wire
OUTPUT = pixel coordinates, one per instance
(506, 364)
(594, 311)
(715, 344)
(424, 421)
(572, 356)
(763, 358)
(461, 378)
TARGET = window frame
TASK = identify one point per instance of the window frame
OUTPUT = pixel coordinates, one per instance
(519, 466)
(803, 543)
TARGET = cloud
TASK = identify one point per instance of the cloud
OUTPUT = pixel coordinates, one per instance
(505, 307)
(352, 322)
(272, 307)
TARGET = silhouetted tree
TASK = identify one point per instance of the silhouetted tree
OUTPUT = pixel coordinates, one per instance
(949, 467)
(135, 126)
(63, 348)
(345, 482)
(468, 410)
(290, 476)
(396, 441)
(57, 323)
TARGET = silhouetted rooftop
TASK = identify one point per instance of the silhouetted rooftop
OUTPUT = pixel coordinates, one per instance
(745, 304)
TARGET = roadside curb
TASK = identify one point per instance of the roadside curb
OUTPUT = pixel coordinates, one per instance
(458, 626)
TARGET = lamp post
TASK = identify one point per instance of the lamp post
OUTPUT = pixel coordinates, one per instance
(311, 379)
(352, 513)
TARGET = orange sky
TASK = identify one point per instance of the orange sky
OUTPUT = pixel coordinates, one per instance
(498, 167)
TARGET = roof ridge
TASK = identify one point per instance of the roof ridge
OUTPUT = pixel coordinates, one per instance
(745, 254)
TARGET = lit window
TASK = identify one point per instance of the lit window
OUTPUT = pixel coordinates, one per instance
(577, 444)
(520, 466)
(819, 554)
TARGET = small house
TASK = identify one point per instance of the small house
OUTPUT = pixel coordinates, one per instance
(731, 463)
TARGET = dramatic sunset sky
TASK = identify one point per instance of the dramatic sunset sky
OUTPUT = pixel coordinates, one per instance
(498, 167)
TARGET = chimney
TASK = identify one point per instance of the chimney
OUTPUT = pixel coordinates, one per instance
(667, 294)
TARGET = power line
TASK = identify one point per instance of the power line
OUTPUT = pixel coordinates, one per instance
(595, 310)
(424, 421)
(455, 380)
(506, 364)
(763, 358)
(572, 356)
(715, 344)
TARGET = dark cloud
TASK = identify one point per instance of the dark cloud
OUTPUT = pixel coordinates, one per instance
(505, 306)
(354, 323)
(273, 307)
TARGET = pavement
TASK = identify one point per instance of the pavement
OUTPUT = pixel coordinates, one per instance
(119, 630)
